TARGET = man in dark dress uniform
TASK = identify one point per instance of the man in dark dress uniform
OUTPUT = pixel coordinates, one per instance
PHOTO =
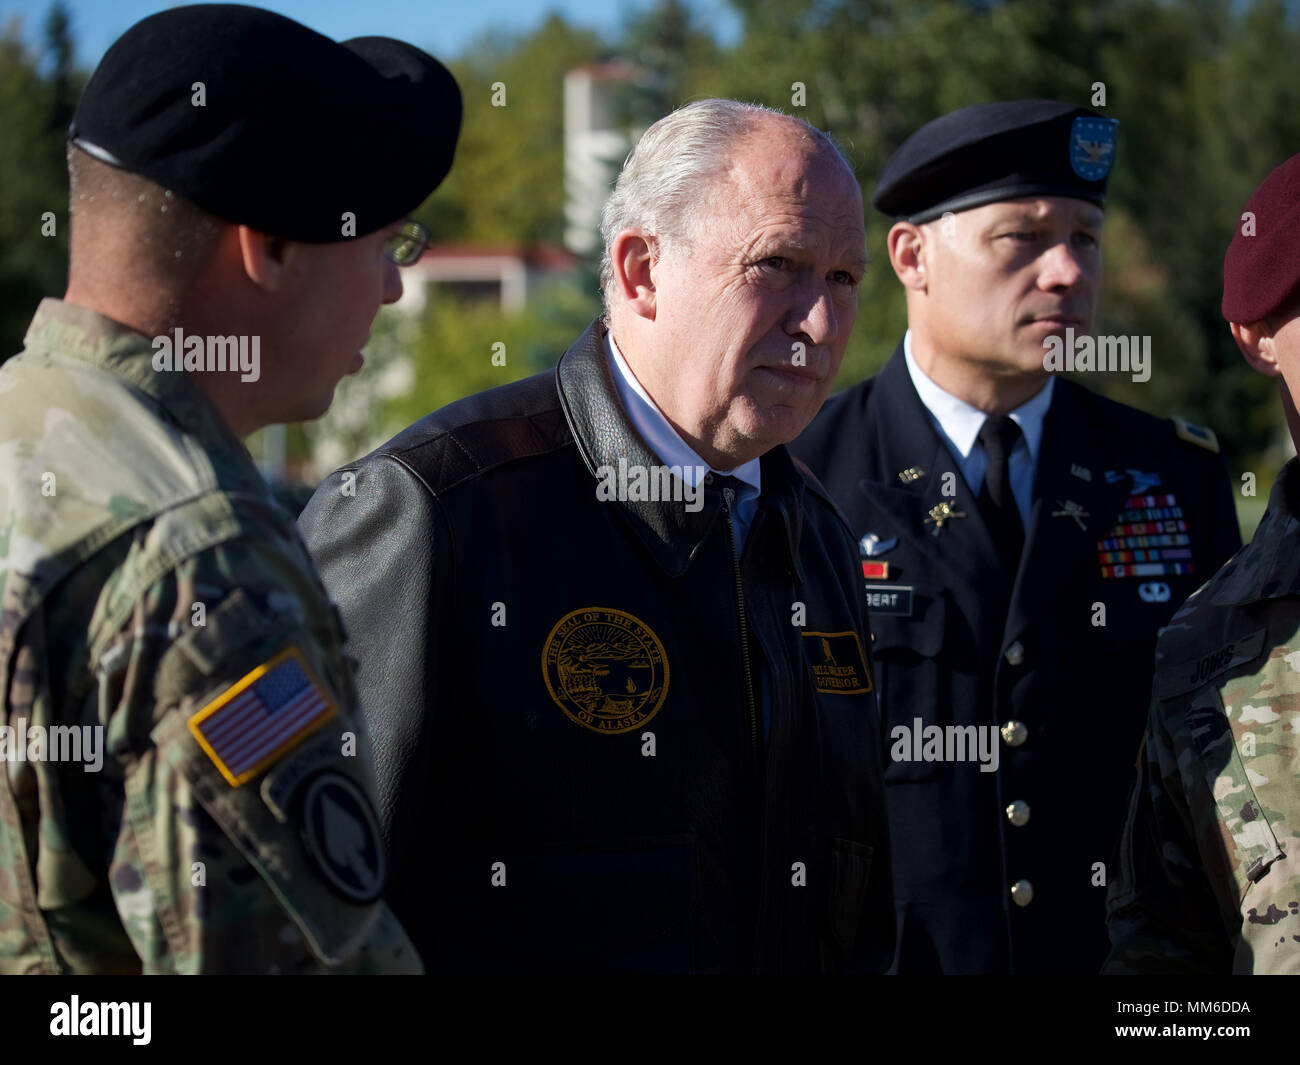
(1022, 541)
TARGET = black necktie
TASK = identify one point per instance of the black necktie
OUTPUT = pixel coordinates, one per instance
(997, 504)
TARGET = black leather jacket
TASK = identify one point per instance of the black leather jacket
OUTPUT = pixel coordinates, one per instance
(603, 741)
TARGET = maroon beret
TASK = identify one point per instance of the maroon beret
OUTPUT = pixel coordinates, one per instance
(1261, 271)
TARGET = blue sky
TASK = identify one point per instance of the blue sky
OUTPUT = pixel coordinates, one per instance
(442, 27)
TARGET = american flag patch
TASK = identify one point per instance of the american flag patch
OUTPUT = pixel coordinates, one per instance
(249, 725)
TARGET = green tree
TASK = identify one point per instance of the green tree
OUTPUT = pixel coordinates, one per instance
(34, 112)
(419, 363)
(507, 185)
(1206, 108)
(674, 55)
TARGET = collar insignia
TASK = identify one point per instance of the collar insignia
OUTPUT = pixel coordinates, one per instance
(1071, 509)
(941, 512)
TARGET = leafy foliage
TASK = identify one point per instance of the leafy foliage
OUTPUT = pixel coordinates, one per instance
(35, 106)
(1202, 88)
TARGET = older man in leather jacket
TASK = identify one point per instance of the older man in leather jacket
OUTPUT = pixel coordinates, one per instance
(610, 633)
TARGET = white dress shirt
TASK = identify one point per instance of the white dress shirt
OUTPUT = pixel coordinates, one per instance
(672, 450)
(958, 425)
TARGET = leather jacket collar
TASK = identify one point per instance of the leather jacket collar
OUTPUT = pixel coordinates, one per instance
(604, 434)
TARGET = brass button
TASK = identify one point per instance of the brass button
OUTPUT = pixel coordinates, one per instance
(1014, 733)
(1022, 892)
(1015, 654)
(1018, 813)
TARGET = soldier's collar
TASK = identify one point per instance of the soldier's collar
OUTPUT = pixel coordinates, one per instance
(71, 331)
(1268, 567)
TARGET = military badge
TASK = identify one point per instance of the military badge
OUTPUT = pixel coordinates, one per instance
(872, 545)
(262, 715)
(838, 665)
(605, 669)
(341, 834)
(1209, 729)
(941, 512)
(1149, 539)
(1092, 147)
(1196, 434)
(1071, 509)
(1142, 482)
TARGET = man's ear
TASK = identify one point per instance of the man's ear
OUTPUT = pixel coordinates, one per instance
(633, 256)
(907, 245)
(1257, 345)
(265, 258)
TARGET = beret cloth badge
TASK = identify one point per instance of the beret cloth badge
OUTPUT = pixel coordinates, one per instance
(999, 151)
(289, 130)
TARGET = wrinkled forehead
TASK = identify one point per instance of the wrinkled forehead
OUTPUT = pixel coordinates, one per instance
(781, 156)
(800, 187)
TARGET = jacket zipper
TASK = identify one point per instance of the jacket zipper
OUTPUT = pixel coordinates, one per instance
(729, 502)
(728, 506)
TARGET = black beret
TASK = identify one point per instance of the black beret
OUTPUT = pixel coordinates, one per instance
(998, 151)
(1261, 270)
(288, 130)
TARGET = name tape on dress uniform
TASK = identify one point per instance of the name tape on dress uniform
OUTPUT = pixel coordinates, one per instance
(892, 599)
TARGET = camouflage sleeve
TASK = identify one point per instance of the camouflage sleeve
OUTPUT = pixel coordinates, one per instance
(237, 798)
(1160, 911)
(1257, 823)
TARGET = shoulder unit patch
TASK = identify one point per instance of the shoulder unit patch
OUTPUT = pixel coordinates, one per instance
(1196, 434)
(341, 835)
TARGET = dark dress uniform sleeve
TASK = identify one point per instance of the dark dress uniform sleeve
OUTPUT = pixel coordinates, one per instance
(1224, 539)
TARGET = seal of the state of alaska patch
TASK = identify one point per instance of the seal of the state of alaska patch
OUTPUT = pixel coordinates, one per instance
(605, 669)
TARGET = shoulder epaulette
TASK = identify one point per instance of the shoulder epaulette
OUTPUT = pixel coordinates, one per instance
(1196, 434)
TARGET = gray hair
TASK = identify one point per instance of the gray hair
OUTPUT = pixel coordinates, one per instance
(660, 187)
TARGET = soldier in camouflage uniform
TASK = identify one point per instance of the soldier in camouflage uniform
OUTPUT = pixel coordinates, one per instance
(182, 787)
(1209, 864)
